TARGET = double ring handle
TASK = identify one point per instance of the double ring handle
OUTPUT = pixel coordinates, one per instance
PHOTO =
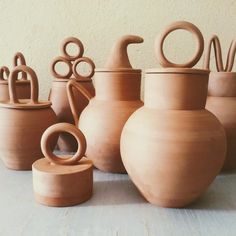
(33, 84)
(20, 57)
(58, 128)
(4, 70)
(175, 26)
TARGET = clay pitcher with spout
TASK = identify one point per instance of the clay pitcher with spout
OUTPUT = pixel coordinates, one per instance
(117, 88)
(58, 94)
(221, 100)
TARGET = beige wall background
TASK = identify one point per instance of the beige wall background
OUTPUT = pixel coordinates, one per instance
(37, 28)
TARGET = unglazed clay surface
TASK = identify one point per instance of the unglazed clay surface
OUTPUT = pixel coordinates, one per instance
(23, 123)
(66, 180)
(58, 94)
(172, 148)
(117, 96)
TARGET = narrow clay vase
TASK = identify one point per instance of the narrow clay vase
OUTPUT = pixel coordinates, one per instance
(221, 99)
(62, 181)
(173, 148)
(22, 85)
(23, 123)
(58, 94)
(117, 96)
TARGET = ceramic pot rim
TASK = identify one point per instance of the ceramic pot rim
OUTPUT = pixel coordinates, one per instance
(77, 80)
(223, 72)
(24, 104)
(118, 70)
(172, 70)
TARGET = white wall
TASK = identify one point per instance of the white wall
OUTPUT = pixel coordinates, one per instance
(37, 28)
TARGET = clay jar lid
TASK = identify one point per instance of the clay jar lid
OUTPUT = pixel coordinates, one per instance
(173, 68)
(72, 62)
(118, 60)
(65, 180)
(32, 103)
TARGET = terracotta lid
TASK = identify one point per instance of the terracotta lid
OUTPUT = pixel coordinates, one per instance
(170, 67)
(72, 62)
(31, 103)
(118, 60)
(74, 79)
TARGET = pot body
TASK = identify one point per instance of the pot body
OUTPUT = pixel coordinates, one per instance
(102, 121)
(61, 106)
(22, 90)
(221, 102)
(20, 132)
(173, 148)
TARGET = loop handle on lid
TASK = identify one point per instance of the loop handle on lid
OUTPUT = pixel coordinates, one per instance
(58, 75)
(33, 83)
(174, 26)
(68, 128)
(4, 70)
(78, 43)
(20, 57)
(87, 61)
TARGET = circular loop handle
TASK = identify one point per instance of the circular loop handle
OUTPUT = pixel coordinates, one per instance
(20, 57)
(76, 42)
(68, 128)
(175, 26)
(58, 75)
(87, 61)
(33, 84)
(4, 70)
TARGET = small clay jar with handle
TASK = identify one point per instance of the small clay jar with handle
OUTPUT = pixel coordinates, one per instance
(172, 148)
(117, 96)
(22, 84)
(221, 100)
(23, 122)
(62, 181)
(58, 94)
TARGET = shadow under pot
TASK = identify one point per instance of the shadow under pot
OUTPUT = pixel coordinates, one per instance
(23, 122)
(221, 102)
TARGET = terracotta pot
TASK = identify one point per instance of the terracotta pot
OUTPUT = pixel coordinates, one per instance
(23, 123)
(58, 94)
(173, 148)
(22, 85)
(62, 181)
(117, 96)
(221, 99)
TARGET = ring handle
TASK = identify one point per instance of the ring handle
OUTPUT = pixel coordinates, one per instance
(175, 26)
(58, 75)
(20, 57)
(76, 42)
(88, 61)
(68, 128)
(33, 84)
(4, 70)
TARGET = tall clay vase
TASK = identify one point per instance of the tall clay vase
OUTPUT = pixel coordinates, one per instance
(23, 123)
(117, 96)
(221, 99)
(172, 148)
(58, 94)
(22, 85)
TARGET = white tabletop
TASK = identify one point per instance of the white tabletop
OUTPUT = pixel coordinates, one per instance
(116, 208)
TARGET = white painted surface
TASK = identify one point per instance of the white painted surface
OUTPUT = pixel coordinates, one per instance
(116, 208)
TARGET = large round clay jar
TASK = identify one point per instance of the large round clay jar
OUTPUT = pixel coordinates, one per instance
(172, 148)
(22, 123)
(221, 102)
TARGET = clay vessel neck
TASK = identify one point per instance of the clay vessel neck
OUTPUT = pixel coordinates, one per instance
(172, 89)
(121, 86)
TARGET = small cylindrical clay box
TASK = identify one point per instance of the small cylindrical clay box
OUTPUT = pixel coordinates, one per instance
(65, 180)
